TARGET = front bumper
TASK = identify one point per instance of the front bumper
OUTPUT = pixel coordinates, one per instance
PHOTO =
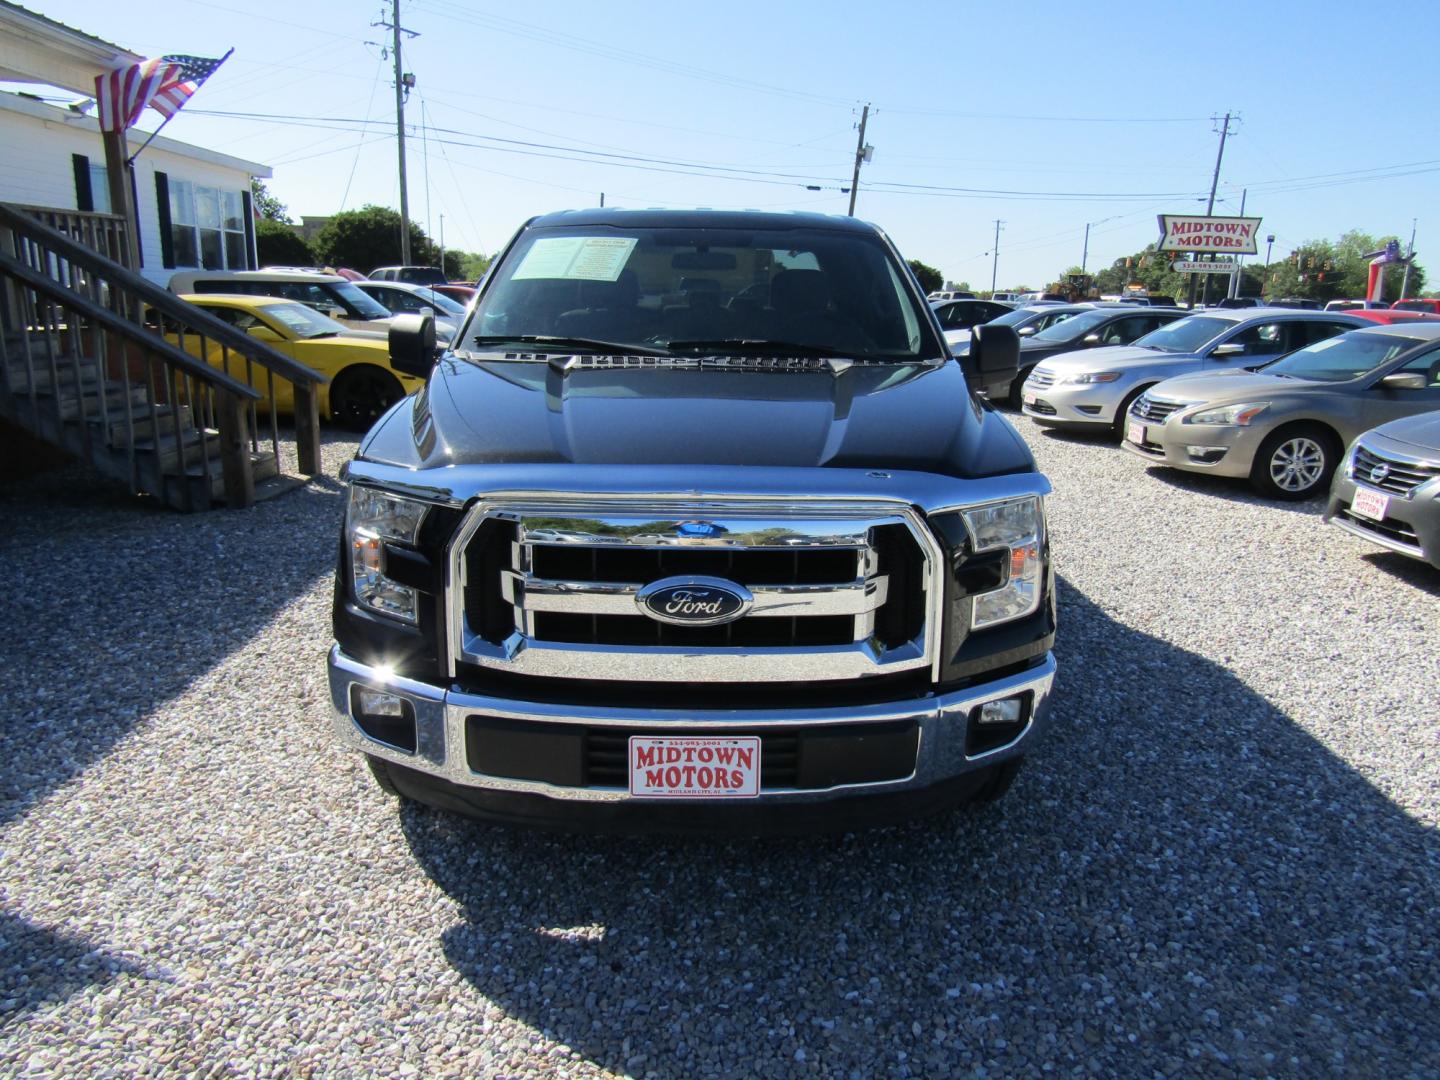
(1088, 404)
(1411, 526)
(1222, 450)
(440, 766)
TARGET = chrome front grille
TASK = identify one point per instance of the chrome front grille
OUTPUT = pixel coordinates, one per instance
(1152, 410)
(1040, 379)
(553, 589)
(1395, 474)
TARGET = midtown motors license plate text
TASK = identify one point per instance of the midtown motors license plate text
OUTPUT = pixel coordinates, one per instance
(694, 767)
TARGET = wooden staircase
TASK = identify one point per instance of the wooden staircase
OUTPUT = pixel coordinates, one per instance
(102, 363)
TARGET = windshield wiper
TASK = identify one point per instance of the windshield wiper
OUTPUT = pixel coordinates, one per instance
(616, 347)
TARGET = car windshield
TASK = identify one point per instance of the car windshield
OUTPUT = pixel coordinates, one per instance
(304, 322)
(444, 303)
(1340, 359)
(1018, 317)
(360, 301)
(1073, 329)
(706, 291)
(1414, 305)
(1186, 335)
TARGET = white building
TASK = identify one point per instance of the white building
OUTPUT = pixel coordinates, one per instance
(192, 205)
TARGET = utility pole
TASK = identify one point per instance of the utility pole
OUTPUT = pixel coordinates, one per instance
(1210, 206)
(602, 200)
(1409, 259)
(442, 243)
(1085, 255)
(1234, 289)
(402, 85)
(862, 153)
(995, 261)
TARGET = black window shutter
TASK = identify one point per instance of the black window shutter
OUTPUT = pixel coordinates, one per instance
(135, 200)
(84, 196)
(162, 205)
(251, 255)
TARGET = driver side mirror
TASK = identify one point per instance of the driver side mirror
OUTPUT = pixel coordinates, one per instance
(1090, 339)
(412, 344)
(1026, 331)
(1232, 348)
(1403, 380)
(994, 358)
(264, 333)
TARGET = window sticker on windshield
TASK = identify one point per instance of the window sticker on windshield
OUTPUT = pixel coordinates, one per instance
(588, 258)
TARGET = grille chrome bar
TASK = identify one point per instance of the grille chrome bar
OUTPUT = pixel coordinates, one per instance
(858, 597)
(1401, 476)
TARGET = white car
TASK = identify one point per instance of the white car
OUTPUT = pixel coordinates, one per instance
(402, 298)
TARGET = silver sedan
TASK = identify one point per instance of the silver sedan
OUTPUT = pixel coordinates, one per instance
(1096, 387)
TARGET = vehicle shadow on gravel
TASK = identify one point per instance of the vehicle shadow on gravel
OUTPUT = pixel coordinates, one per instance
(1420, 575)
(116, 607)
(55, 965)
(1232, 489)
(1183, 879)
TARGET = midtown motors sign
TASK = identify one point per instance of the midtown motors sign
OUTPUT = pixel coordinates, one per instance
(1232, 235)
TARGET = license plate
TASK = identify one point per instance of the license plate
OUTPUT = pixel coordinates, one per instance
(694, 767)
(1370, 504)
(1029, 399)
(1135, 432)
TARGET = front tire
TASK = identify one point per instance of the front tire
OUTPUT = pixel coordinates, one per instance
(381, 772)
(1117, 426)
(360, 395)
(1296, 463)
(998, 779)
(1017, 388)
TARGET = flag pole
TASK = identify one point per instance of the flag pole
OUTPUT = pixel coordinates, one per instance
(131, 159)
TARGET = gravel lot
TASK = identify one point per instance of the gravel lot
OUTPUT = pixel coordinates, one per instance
(1224, 861)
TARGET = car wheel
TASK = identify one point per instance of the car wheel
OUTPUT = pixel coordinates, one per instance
(381, 772)
(360, 395)
(1295, 462)
(1017, 388)
(1117, 426)
(998, 779)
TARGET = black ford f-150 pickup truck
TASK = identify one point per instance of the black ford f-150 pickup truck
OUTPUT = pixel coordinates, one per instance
(696, 523)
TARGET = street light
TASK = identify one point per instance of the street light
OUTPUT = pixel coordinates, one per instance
(1269, 243)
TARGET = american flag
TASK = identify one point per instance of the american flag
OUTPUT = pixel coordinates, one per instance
(164, 84)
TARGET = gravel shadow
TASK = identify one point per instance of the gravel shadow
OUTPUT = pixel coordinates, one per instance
(116, 605)
(1232, 489)
(57, 965)
(1182, 882)
(1411, 571)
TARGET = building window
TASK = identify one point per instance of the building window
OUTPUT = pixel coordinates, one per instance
(207, 226)
(99, 189)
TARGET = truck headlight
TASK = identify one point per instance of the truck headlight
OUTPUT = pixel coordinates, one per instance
(1090, 377)
(1019, 526)
(1228, 415)
(373, 518)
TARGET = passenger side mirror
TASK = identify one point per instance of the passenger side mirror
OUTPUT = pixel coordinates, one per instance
(1231, 348)
(994, 358)
(1026, 331)
(1090, 339)
(412, 344)
(1403, 380)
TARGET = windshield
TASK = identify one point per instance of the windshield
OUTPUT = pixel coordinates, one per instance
(1340, 359)
(304, 322)
(360, 301)
(444, 303)
(701, 291)
(1186, 335)
(1018, 317)
(1073, 329)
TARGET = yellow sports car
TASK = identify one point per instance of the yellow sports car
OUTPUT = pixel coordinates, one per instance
(362, 383)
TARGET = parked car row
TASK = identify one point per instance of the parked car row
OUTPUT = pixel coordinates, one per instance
(1297, 402)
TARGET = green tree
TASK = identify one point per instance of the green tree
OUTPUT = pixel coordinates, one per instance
(929, 278)
(472, 266)
(278, 244)
(370, 237)
(266, 205)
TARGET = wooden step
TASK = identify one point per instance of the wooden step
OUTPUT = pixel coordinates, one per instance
(211, 489)
(118, 396)
(145, 425)
(191, 451)
(18, 380)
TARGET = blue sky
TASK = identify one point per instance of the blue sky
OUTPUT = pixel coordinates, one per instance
(1100, 116)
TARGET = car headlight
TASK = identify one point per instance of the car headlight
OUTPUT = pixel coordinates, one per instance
(373, 518)
(1229, 414)
(1090, 377)
(1019, 526)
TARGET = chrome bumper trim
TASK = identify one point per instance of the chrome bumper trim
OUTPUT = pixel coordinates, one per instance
(441, 716)
(1378, 539)
(858, 597)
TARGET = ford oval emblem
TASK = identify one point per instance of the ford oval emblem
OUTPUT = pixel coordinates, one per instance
(694, 601)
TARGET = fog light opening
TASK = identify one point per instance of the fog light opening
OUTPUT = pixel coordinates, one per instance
(996, 724)
(1206, 455)
(386, 717)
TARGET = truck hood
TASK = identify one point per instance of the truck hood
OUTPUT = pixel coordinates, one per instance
(505, 411)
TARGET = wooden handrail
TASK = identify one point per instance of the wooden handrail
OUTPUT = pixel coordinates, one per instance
(162, 300)
(77, 301)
